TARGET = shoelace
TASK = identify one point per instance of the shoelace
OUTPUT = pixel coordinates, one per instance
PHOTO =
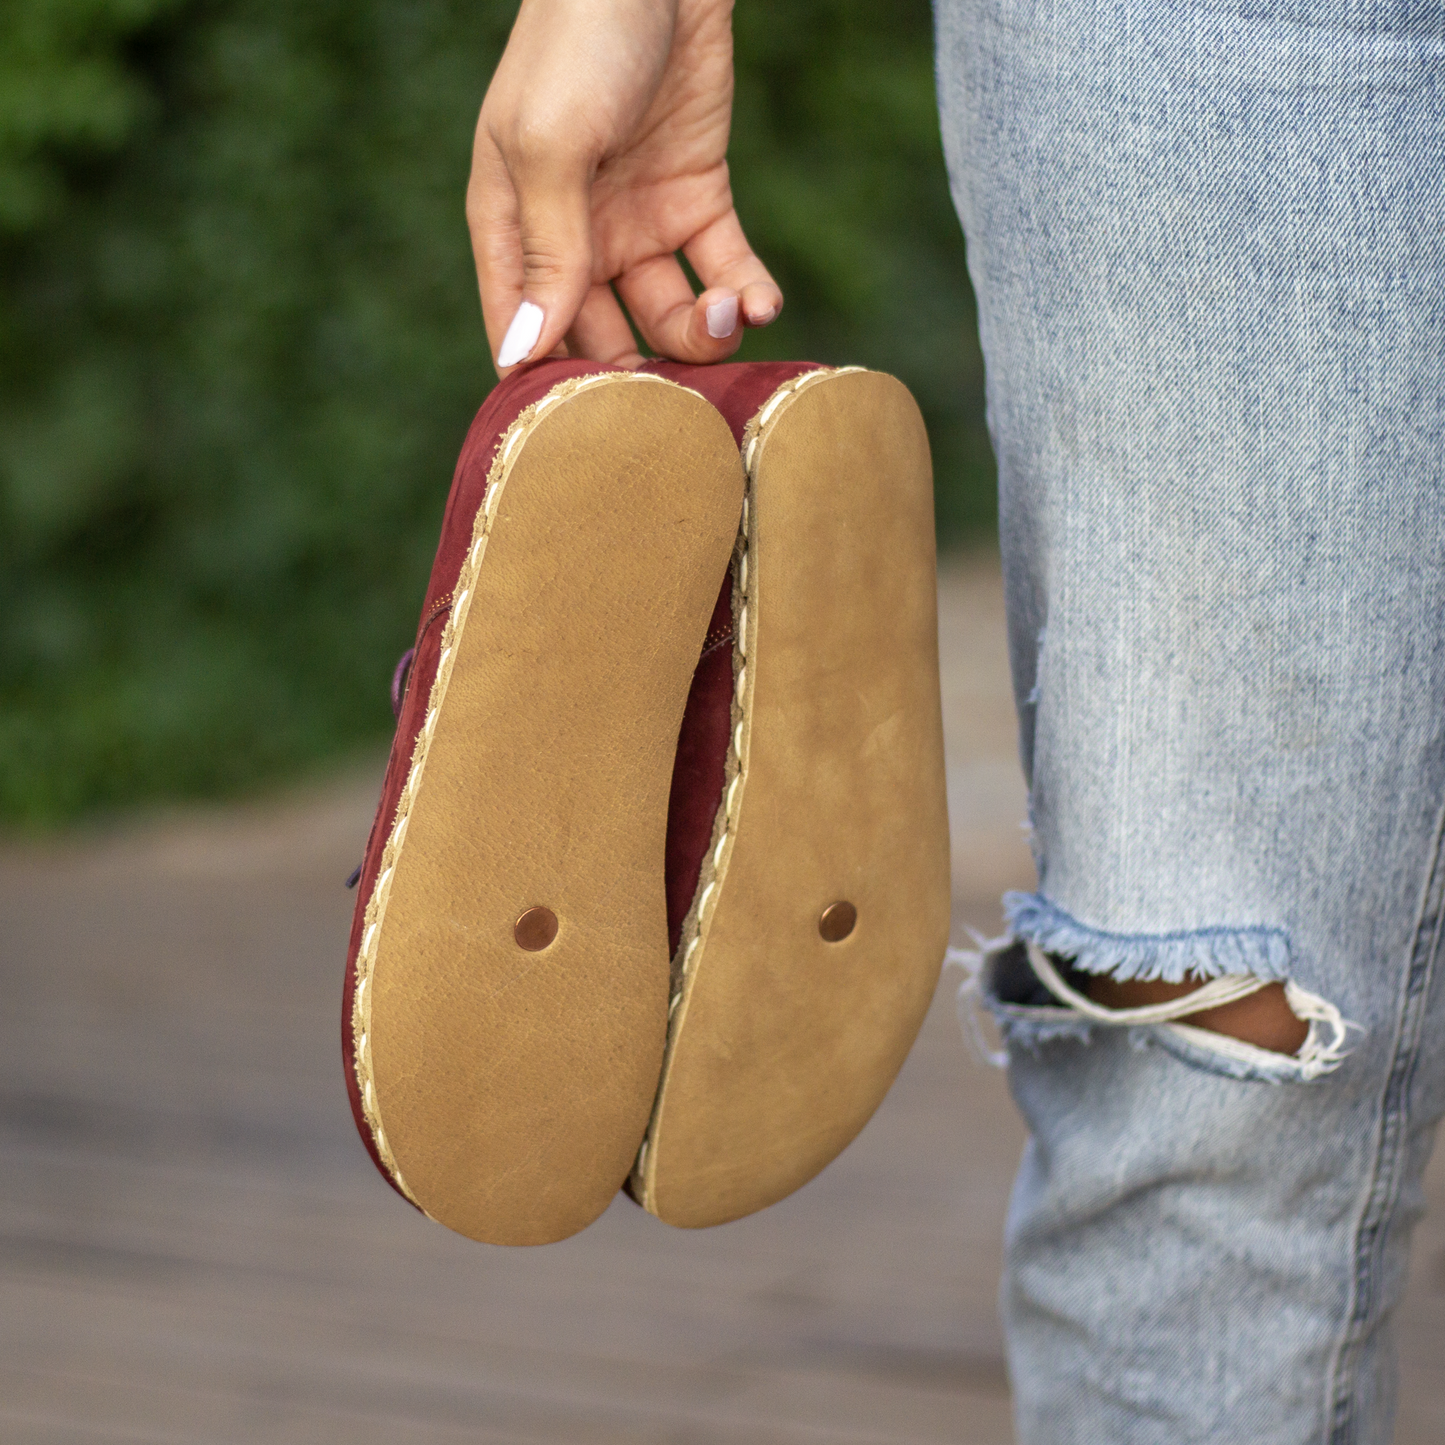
(398, 681)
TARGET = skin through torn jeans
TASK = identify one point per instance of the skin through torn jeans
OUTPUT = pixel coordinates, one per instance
(1208, 243)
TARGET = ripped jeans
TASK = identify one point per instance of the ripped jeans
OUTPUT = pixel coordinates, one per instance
(1208, 244)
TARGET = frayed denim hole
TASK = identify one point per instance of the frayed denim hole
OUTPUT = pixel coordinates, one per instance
(1167, 1022)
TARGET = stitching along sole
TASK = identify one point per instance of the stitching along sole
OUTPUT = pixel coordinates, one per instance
(507, 1076)
(815, 939)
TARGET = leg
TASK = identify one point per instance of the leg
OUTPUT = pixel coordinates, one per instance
(1211, 278)
(1263, 1019)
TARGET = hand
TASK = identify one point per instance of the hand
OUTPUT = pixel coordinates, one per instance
(601, 151)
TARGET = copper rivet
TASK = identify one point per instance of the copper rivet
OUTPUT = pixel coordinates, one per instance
(535, 929)
(837, 922)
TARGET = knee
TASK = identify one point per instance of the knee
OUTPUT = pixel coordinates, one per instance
(1223, 998)
(1264, 1019)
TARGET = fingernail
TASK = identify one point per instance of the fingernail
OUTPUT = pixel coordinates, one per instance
(761, 318)
(722, 318)
(521, 335)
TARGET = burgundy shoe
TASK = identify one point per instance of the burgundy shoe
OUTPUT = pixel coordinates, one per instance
(808, 871)
(507, 980)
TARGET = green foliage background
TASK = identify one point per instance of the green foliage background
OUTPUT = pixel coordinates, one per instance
(240, 345)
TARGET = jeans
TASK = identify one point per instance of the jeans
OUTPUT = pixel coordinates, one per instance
(1208, 244)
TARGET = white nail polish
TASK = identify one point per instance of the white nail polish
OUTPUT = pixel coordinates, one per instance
(761, 318)
(722, 318)
(521, 335)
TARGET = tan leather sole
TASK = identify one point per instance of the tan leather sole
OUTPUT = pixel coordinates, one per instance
(508, 1090)
(783, 1043)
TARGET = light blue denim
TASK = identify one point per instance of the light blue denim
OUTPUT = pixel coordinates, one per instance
(1208, 242)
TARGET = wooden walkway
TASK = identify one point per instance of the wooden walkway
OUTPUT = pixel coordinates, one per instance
(193, 1248)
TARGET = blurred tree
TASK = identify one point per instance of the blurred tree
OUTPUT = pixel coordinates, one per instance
(240, 344)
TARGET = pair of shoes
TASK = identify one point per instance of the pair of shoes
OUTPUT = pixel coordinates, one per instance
(658, 888)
